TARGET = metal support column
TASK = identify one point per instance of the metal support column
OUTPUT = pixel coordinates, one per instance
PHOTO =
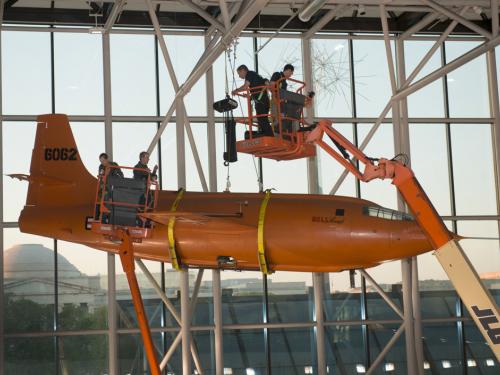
(312, 163)
(2, 307)
(320, 320)
(218, 336)
(495, 112)
(108, 141)
(185, 322)
(212, 154)
(402, 145)
(411, 356)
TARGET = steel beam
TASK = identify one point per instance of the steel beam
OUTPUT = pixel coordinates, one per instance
(384, 352)
(417, 315)
(172, 310)
(185, 322)
(320, 320)
(203, 13)
(419, 25)
(494, 17)
(211, 142)
(448, 13)
(330, 15)
(451, 66)
(115, 11)
(252, 10)
(175, 83)
(108, 141)
(276, 33)
(313, 184)
(2, 302)
(383, 294)
(225, 14)
(218, 334)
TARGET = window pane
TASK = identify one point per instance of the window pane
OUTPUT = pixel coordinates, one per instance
(473, 169)
(288, 176)
(381, 145)
(395, 359)
(441, 348)
(332, 78)
(82, 294)
(28, 282)
(132, 358)
(127, 317)
(480, 359)
(428, 101)
(30, 356)
(277, 53)
(83, 354)
(373, 85)
(292, 351)
(133, 75)
(345, 349)
(467, 85)
(18, 140)
(193, 181)
(341, 302)
(483, 253)
(185, 51)
(243, 350)
(429, 161)
(242, 297)
(331, 169)
(169, 158)
(289, 296)
(129, 139)
(78, 66)
(26, 72)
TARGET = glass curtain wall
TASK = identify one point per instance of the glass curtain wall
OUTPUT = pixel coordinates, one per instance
(55, 294)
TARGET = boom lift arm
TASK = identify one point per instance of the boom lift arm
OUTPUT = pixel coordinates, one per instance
(450, 254)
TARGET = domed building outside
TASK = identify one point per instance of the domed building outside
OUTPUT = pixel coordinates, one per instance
(29, 274)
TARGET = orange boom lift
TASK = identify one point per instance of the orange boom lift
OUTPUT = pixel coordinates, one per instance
(299, 141)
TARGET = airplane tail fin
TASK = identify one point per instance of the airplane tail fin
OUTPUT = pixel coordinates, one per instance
(57, 175)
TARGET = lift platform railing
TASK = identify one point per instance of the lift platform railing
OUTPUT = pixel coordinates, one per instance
(278, 115)
(119, 201)
(288, 123)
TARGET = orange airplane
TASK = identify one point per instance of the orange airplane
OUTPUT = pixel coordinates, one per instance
(297, 232)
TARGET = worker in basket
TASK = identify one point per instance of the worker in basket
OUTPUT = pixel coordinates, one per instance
(259, 97)
(279, 82)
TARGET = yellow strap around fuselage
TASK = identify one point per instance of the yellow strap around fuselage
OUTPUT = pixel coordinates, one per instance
(260, 235)
(176, 264)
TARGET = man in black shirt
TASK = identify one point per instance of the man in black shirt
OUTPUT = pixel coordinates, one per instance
(286, 73)
(281, 85)
(260, 98)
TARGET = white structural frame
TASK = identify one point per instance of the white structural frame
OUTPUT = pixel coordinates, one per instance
(218, 38)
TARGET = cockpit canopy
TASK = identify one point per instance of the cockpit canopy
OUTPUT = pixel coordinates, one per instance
(386, 213)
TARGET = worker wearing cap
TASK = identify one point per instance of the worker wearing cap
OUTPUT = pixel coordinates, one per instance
(259, 97)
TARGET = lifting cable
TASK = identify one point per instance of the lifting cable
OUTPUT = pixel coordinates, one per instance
(232, 66)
